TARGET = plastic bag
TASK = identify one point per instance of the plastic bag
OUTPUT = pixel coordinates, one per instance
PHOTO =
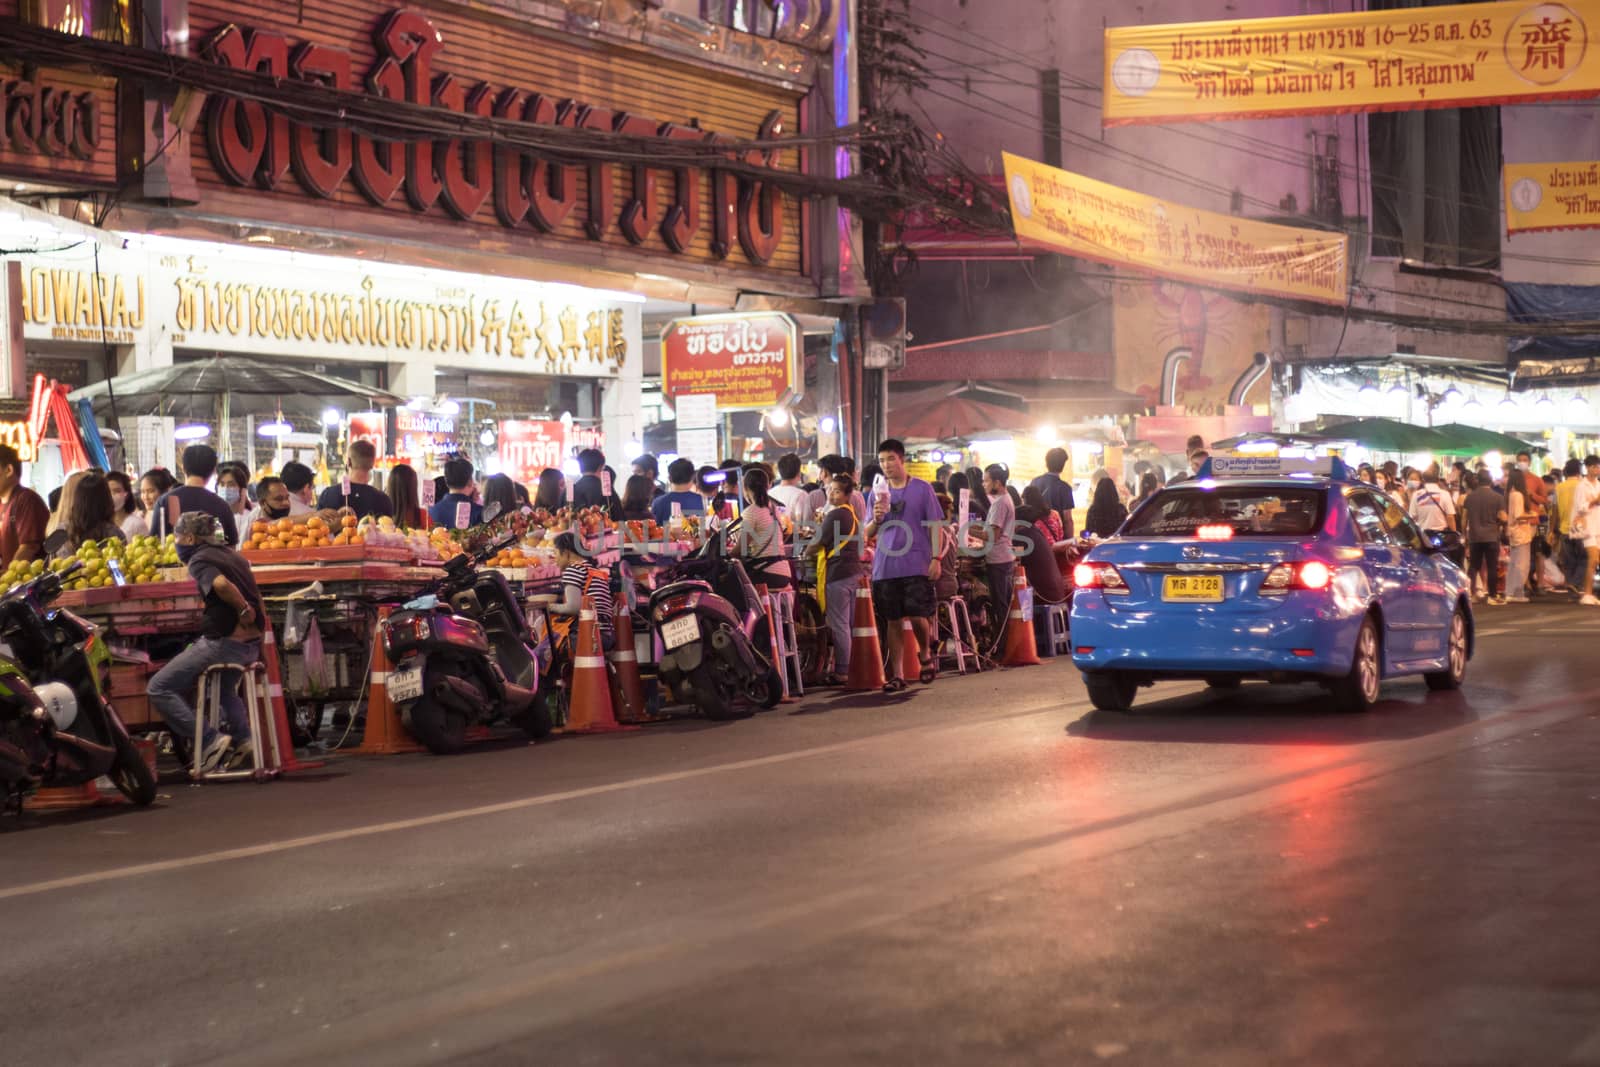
(315, 659)
(1550, 576)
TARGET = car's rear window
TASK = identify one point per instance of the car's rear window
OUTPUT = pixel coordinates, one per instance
(1250, 511)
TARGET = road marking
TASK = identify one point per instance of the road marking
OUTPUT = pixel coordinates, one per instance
(352, 833)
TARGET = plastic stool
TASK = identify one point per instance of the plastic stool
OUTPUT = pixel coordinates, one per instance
(787, 638)
(257, 697)
(956, 623)
(1053, 639)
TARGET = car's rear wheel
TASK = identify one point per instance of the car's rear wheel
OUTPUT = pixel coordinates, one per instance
(1358, 690)
(1456, 667)
(1110, 691)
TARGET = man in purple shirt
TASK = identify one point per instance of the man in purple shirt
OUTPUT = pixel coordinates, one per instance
(904, 521)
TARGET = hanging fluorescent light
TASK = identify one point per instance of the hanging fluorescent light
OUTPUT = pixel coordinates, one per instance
(827, 424)
(331, 417)
(486, 438)
(192, 432)
(449, 407)
(274, 429)
(778, 418)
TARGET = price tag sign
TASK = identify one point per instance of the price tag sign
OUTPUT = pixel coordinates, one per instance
(344, 487)
(677, 511)
(463, 514)
(605, 484)
(426, 486)
(966, 508)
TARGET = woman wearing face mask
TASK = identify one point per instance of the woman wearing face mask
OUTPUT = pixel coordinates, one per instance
(126, 506)
(233, 486)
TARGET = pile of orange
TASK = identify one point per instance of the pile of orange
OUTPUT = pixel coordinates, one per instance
(348, 534)
(511, 557)
(291, 533)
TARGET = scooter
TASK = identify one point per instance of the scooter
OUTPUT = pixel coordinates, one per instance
(56, 726)
(465, 654)
(710, 624)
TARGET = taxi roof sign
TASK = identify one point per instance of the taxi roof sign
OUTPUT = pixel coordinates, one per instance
(1274, 467)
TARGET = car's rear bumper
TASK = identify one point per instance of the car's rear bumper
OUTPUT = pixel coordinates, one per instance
(1160, 644)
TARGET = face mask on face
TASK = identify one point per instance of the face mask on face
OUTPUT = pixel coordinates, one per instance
(230, 493)
(119, 501)
(186, 552)
(1414, 483)
(1522, 466)
(274, 513)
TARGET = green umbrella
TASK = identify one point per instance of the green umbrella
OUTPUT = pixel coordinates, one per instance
(1472, 441)
(1387, 435)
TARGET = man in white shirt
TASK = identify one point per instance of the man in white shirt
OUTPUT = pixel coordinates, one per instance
(788, 492)
(1431, 505)
(1584, 524)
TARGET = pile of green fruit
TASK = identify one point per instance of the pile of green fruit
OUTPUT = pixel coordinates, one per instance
(141, 560)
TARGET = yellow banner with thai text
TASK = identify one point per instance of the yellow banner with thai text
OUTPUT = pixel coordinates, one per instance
(1394, 60)
(1552, 196)
(1079, 216)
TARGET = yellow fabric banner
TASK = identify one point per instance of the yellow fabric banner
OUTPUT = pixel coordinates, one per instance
(1079, 216)
(1552, 196)
(1395, 60)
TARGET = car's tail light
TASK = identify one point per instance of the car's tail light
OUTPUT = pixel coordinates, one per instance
(1101, 576)
(1310, 574)
(1219, 532)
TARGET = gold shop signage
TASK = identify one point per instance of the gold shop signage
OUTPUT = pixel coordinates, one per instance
(666, 206)
(80, 304)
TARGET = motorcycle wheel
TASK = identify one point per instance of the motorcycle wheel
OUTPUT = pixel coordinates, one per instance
(442, 730)
(711, 698)
(811, 630)
(131, 774)
(767, 690)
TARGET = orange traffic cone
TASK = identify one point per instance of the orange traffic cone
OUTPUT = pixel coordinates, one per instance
(910, 654)
(1020, 649)
(866, 658)
(626, 660)
(282, 740)
(591, 692)
(385, 734)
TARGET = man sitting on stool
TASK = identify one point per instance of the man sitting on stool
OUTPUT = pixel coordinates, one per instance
(231, 633)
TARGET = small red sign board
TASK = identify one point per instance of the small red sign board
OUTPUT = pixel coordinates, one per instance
(746, 360)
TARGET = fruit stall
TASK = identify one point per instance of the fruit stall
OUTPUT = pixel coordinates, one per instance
(323, 578)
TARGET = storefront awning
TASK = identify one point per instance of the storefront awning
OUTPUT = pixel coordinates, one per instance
(255, 387)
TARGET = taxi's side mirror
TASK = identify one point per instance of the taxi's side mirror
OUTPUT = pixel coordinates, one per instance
(1442, 541)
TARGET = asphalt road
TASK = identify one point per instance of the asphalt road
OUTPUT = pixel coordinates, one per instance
(982, 872)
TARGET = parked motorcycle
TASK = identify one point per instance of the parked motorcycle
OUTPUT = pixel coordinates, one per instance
(712, 630)
(465, 654)
(56, 726)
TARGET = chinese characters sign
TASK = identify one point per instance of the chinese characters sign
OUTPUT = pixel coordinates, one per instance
(746, 360)
(1552, 196)
(1079, 216)
(1394, 60)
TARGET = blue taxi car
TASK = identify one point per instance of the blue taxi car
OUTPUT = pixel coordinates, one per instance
(1283, 570)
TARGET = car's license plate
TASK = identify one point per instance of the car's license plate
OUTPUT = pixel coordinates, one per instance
(1206, 588)
(405, 683)
(680, 631)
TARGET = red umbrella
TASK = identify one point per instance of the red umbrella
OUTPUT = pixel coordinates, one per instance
(955, 416)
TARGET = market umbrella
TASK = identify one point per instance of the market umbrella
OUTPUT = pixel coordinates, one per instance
(192, 391)
(1473, 441)
(955, 416)
(1387, 435)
